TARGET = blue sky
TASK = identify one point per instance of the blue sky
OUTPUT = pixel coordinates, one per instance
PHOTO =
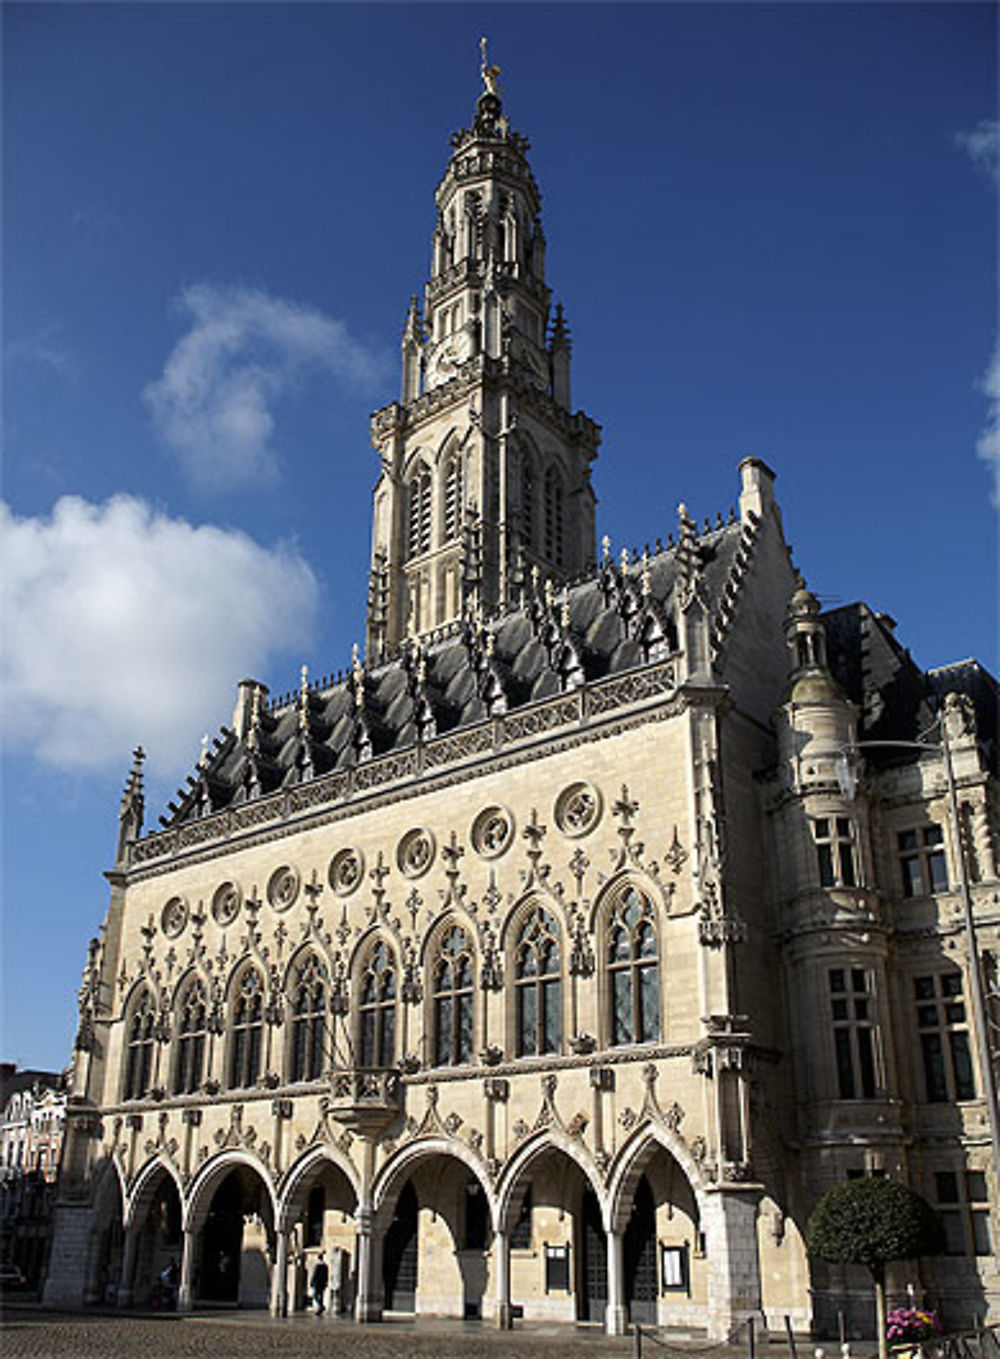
(774, 231)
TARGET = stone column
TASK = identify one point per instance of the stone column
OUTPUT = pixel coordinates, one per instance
(615, 1320)
(129, 1252)
(501, 1262)
(279, 1279)
(368, 1305)
(185, 1292)
(734, 1295)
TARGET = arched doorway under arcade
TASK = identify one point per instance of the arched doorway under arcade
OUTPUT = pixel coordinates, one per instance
(107, 1239)
(552, 1221)
(317, 1215)
(153, 1237)
(656, 1224)
(434, 1231)
(232, 1237)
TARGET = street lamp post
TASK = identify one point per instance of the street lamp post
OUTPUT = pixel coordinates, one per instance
(848, 785)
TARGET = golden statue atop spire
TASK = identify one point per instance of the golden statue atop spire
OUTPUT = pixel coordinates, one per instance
(490, 74)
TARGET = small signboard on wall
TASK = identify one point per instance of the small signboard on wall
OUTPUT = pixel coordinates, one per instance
(556, 1269)
(674, 1268)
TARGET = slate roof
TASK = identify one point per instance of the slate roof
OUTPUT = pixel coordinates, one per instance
(896, 700)
(619, 618)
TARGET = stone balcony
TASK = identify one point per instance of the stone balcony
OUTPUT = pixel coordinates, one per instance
(364, 1098)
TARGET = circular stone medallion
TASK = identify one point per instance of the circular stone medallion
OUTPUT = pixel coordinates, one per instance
(578, 809)
(226, 902)
(283, 887)
(173, 917)
(415, 853)
(347, 868)
(492, 832)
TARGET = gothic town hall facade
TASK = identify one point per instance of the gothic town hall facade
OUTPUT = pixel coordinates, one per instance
(544, 963)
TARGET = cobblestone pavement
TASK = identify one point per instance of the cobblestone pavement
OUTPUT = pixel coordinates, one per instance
(31, 1333)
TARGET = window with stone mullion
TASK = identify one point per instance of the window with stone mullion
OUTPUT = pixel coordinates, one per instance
(247, 1031)
(633, 971)
(538, 986)
(139, 1063)
(191, 1036)
(453, 1000)
(378, 1009)
(309, 1022)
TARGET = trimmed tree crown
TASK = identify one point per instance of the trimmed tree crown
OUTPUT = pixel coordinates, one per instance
(870, 1221)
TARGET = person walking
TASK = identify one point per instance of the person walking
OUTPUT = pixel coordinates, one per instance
(318, 1283)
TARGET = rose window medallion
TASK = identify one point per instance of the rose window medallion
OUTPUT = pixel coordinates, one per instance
(578, 809)
(226, 902)
(347, 868)
(283, 887)
(173, 917)
(492, 832)
(415, 853)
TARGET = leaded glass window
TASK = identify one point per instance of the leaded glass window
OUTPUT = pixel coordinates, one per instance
(247, 1030)
(309, 1020)
(452, 991)
(378, 1007)
(139, 1061)
(633, 969)
(191, 1036)
(553, 516)
(538, 985)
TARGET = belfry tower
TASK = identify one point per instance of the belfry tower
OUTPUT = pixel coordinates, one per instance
(485, 468)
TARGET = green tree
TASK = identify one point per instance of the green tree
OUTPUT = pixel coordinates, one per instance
(870, 1221)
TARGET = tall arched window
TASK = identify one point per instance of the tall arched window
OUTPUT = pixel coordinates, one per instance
(377, 1011)
(633, 969)
(309, 1020)
(452, 992)
(553, 516)
(139, 1058)
(419, 512)
(538, 985)
(191, 1035)
(527, 501)
(452, 515)
(246, 1042)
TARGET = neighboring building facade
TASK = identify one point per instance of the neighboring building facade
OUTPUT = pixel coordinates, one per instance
(546, 963)
(33, 1105)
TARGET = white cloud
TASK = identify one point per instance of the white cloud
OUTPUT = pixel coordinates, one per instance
(245, 349)
(983, 146)
(988, 443)
(123, 625)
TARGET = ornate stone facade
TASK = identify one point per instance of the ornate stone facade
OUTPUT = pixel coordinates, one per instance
(544, 963)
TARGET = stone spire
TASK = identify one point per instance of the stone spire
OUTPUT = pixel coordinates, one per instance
(133, 805)
(485, 470)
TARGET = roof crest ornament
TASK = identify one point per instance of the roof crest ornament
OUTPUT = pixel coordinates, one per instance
(490, 74)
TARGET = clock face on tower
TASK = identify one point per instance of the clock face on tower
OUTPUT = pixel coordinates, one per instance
(446, 356)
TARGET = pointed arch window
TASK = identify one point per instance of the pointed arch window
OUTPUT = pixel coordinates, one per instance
(419, 512)
(377, 1011)
(553, 516)
(139, 1058)
(247, 1036)
(452, 497)
(633, 968)
(527, 501)
(452, 994)
(309, 1020)
(538, 985)
(192, 1031)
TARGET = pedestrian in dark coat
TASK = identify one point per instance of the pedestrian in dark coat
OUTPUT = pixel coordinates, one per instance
(318, 1283)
